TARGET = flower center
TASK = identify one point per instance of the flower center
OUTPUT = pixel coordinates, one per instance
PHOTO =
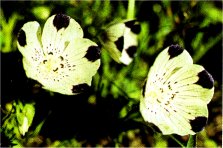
(51, 64)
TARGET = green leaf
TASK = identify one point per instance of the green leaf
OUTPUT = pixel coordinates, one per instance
(38, 128)
(192, 141)
(6, 33)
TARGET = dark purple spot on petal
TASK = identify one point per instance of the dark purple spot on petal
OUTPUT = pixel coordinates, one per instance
(198, 123)
(205, 79)
(93, 53)
(120, 43)
(129, 24)
(61, 21)
(175, 50)
(131, 51)
(135, 28)
(22, 38)
(80, 88)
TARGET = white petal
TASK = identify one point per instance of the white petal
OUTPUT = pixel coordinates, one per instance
(29, 45)
(59, 30)
(75, 67)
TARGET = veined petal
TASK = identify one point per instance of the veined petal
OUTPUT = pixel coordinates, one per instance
(59, 30)
(176, 93)
(77, 65)
(65, 62)
(120, 40)
(29, 45)
(29, 41)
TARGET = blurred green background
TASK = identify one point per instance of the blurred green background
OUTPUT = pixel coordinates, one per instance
(108, 115)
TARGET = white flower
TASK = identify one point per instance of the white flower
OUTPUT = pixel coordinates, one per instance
(120, 40)
(176, 93)
(60, 59)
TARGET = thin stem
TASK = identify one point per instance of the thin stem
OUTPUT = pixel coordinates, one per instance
(177, 141)
(131, 9)
(192, 141)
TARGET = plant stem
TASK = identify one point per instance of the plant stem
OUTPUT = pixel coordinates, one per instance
(192, 141)
(177, 141)
(131, 9)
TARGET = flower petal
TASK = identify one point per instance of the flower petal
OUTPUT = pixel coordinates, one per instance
(59, 30)
(29, 45)
(120, 40)
(78, 64)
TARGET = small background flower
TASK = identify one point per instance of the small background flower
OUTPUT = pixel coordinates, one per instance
(108, 115)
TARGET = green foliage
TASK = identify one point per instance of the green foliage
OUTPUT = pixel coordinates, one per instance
(6, 34)
(24, 116)
(41, 12)
(192, 24)
(192, 141)
(17, 120)
(160, 141)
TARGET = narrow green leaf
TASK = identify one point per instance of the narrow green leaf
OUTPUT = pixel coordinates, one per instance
(131, 11)
(175, 139)
(192, 141)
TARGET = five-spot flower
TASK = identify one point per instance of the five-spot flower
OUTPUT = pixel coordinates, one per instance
(176, 93)
(121, 40)
(60, 59)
